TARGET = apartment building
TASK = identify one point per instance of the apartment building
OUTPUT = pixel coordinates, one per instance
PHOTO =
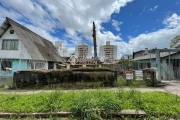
(83, 51)
(62, 51)
(108, 51)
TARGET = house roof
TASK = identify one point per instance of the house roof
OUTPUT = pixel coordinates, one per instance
(153, 55)
(128, 55)
(38, 47)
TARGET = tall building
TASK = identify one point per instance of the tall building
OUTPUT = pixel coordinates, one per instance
(83, 51)
(108, 51)
(62, 51)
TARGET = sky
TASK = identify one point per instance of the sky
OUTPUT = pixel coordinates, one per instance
(131, 25)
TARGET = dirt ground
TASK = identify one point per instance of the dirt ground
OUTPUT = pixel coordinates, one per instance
(172, 87)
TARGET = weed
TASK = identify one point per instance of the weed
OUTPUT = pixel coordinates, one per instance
(122, 82)
(94, 104)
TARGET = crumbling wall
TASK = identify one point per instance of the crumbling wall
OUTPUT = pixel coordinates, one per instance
(81, 77)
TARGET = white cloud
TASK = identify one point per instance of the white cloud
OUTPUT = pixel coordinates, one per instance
(154, 8)
(8, 13)
(159, 38)
(172, 21)
(116, 24)
(45, 16)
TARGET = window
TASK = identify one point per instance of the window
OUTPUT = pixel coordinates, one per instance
(6, 65)
(31, 65)
(148, 65)
(39, 65)
(10, 44)
(50, 65)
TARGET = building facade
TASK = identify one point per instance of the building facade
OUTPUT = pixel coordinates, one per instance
(108, 51)
(165, 61)
(62, 51)
(22, 49)
(83, 51)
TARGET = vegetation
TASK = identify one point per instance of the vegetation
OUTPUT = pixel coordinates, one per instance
(122, 82)
(66, 78)
(175, 42)
(93, 104)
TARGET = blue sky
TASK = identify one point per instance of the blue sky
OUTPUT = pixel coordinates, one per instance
(132, 25)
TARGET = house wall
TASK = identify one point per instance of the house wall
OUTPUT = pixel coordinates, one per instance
(21, 53)
(164, 69)
(138, 54)
(16, 66)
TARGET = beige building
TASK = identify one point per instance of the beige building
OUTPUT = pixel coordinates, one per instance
(108, 51)
(83, 51)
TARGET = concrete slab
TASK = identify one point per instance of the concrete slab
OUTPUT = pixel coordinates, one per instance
(172, 87)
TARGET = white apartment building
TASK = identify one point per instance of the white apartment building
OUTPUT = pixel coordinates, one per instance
(83, 51)
(62, 51)
(108, 51)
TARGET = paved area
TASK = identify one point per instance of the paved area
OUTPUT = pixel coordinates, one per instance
(172, 87)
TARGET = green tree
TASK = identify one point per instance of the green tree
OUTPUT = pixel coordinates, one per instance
(175, 42)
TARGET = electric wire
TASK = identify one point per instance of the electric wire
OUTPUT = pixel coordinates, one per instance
(76, 10)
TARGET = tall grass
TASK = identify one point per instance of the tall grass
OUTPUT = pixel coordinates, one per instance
(122, 82)
(93, 104)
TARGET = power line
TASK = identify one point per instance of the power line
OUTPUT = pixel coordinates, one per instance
(76, 10)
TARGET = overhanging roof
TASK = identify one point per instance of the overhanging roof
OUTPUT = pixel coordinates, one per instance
(163, 53)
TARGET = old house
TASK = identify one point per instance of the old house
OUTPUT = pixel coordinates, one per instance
(21, 48)
(165, 61)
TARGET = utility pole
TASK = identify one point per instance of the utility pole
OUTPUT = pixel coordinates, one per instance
(94, 41)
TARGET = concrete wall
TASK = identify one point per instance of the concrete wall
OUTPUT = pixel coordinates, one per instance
(67, 78)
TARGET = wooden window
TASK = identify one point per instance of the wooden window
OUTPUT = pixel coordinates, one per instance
(10, 44)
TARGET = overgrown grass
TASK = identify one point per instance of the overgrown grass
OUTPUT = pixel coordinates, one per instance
(122, 82)
(93, 104)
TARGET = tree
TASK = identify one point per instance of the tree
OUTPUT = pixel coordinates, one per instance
(175, 42)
